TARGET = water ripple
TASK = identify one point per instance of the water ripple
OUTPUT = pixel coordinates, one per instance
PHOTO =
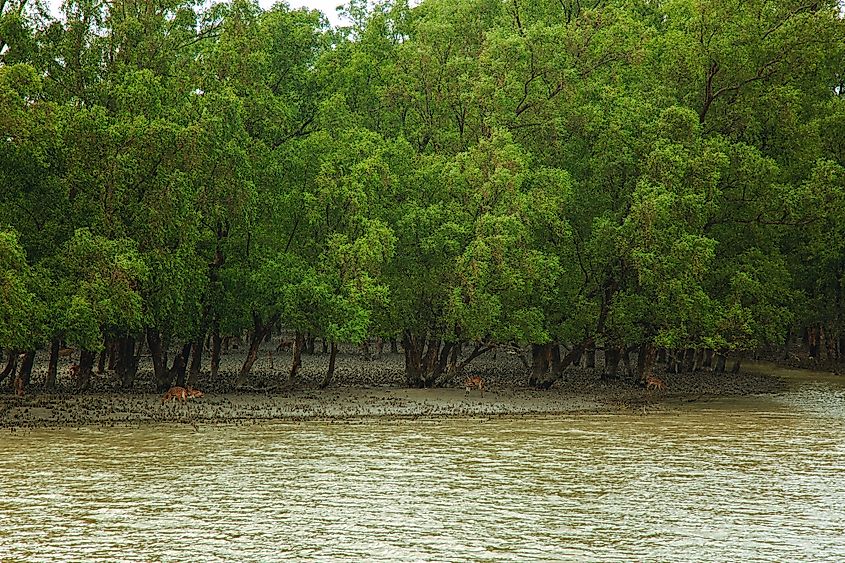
(754, 480)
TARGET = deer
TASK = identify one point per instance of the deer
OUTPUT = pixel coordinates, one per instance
(181, 394)
(653, 383)
(474, 382)
(178, 393)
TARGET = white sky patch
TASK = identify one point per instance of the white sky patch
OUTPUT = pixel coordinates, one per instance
(328, 7)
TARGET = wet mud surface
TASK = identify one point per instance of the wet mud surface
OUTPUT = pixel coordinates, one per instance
(360, 390)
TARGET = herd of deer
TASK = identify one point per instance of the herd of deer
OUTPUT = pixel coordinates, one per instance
(182, 394)
(652, 383)
(473, 382)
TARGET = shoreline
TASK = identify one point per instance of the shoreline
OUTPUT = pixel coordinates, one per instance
(363, 390)
(350, 405)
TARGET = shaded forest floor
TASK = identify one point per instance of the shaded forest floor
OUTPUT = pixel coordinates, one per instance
(361, 389)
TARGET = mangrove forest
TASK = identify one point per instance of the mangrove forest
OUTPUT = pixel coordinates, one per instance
(639, 181)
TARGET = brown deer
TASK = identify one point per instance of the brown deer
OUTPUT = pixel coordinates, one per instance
(653, 383)
(474, 382)
(65, 352)
(182, 394)
(178, 393)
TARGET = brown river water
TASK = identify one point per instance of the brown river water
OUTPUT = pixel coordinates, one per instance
(744, 479)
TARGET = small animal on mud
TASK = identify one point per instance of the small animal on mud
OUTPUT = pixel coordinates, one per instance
(474, 382)
(181, 394)
(653, 383)
(74, 371)
(19, 387)
(178, 393)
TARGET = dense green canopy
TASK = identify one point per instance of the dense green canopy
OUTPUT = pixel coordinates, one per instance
(621, 175)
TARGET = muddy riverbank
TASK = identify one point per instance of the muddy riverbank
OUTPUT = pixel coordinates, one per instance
(361, 390)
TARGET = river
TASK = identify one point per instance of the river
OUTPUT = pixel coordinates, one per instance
(744, 479)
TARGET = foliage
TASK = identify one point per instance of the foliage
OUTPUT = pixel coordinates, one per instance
(581, 173)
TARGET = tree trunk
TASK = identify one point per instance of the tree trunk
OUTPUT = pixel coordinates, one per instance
(612, 356)
(456, 368)
(708, 359)
(126, 364)
(26, 368)
(838, 363)
(675, 363)
(216, 342)
(112, 349)
(430, 360)
(829, 348)
(661, 356)
(453, 359)
(196, 362)
(689, 360)
(554, 365)
(443, 358)
(86, 366)
(53, 365)
(539, 364)
(298, 345)
(414, 348)
(101, 363)
(579, 353)
(641, 361)
(737, 364)
(246, 368)
(180, 364)
(720, 362)
(425, 363)
(260, 330)
(626, 360)
(11, 365)
(590, 358)
(812, 343)
(394, 346)
(160, 374)
(411, 360)
(786, 344)
(698, 360)
(645, 361)
(309, 344)
(327, 380)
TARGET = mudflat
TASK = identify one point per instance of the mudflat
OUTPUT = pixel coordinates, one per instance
(361, 390)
